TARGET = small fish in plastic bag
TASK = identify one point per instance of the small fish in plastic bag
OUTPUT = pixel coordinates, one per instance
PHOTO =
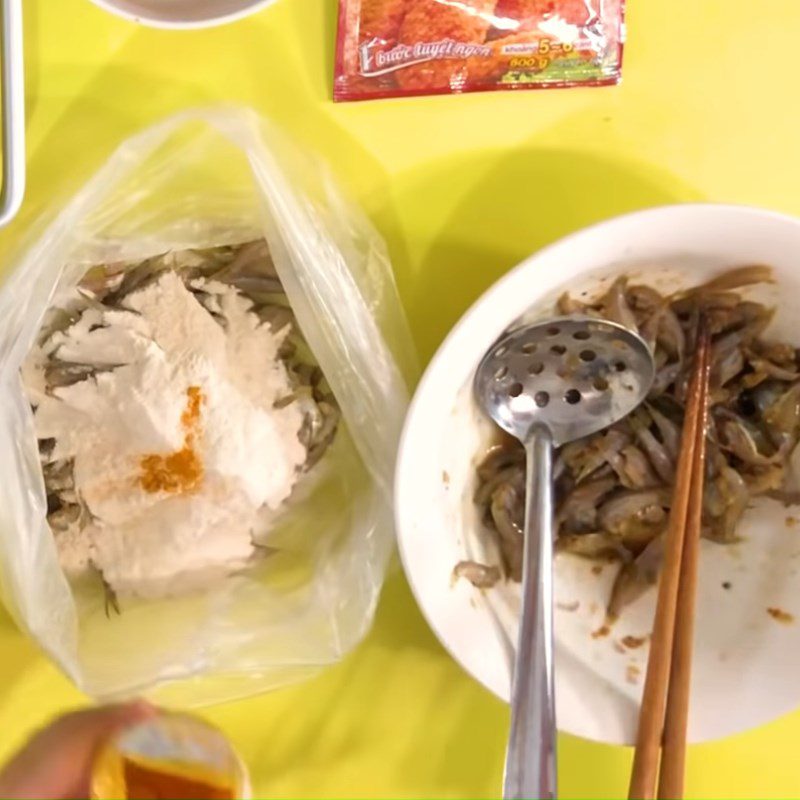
(395, 48)
(199, 210)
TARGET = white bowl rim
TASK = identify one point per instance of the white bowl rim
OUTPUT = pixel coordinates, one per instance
(113, 7)
(450, 345)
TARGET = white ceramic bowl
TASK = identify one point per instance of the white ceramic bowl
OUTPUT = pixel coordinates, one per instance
(182, 13)
(746, 661)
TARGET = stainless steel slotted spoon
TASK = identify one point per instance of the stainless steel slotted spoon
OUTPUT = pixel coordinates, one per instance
(547, 384)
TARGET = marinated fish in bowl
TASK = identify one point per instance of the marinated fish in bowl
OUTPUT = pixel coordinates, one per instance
(613, 489)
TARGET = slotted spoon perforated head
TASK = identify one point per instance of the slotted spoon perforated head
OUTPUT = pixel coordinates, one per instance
(574, 375)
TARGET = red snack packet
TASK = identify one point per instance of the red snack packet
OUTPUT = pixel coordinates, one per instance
(394, 48)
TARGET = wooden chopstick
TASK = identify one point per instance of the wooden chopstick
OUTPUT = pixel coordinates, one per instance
(657, 680)
(673, 746)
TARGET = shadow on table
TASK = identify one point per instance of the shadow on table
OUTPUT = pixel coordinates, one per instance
(79, 142)
(17, 652)
(398, 718)
(509, 205)
(218, 65)
(31, 54)
(398, 695)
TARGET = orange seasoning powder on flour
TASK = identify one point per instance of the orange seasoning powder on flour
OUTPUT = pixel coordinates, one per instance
(181, 471)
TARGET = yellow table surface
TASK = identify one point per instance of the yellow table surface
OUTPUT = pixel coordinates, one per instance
(462, 188)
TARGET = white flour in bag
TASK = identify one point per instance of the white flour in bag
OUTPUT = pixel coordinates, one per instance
(178, 445)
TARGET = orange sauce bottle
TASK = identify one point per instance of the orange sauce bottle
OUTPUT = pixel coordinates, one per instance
(174, 756)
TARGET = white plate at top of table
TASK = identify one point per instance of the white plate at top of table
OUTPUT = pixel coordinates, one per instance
(182, 13)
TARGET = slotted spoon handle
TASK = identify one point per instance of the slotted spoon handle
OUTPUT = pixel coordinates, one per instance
(531, 758)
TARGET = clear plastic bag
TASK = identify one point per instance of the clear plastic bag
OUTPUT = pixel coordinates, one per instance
(204, 178)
